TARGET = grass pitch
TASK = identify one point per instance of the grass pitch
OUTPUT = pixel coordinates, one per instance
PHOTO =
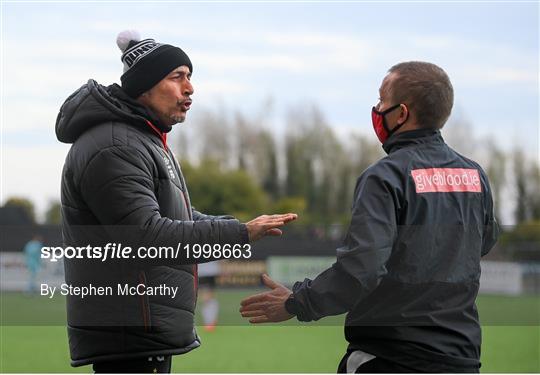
(236, 347)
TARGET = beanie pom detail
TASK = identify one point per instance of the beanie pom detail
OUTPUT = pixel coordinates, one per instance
(123, 39)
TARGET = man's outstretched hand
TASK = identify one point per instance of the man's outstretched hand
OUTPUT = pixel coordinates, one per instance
(268, 225)
(269, 306)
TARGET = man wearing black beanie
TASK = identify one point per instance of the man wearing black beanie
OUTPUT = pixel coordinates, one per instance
(157, 76)
(122, 185)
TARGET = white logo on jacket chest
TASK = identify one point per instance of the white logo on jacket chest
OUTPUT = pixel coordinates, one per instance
(169, 166)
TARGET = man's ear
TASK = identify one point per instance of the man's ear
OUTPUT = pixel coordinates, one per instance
(143, 98)
(403, 114)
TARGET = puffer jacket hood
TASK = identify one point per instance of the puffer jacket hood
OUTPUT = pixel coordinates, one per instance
(93, 104)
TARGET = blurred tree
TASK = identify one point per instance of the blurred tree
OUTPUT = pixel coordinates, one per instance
(214, 138)
(245, 136)
(346, 186)
(362, 151)
(216, 192)
(298, 168)
(533, 178)
(53, 215)
(459, 134)
(527, 187)
(184, 136)
(525, 231)
(520, 178)
(315, 160)
(290, 204)
(257, 154)
(270, 174)
(522, 243)
(24, 203)
(496, 171)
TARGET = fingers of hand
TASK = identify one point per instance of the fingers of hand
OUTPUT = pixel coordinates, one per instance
(256, 298)
(251, 313)
(254, 306)
(269, 282)
(256, 311)
(290, 217)
(260, 319)
(276, 218)
(274, 232)
(272, 224)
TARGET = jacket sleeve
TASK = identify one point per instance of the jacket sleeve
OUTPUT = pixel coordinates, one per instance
(360, 261)
(118, 187)
(491, 227)
(197, 216)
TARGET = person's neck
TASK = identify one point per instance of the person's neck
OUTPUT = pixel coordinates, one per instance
(162, 124)
(408, 126)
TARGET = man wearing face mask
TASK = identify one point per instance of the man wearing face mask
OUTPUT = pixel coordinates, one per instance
(408, 271)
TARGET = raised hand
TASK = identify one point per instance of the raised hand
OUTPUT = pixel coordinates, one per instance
(268, 306)
(268, 225)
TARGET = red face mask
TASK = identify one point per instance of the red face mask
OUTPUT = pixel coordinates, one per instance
(379, 123)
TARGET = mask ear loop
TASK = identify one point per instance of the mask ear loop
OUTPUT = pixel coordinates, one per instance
(396, 128)
(388, 110)
(383, 113)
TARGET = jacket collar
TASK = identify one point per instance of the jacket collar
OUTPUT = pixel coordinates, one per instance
(136, 108)
(412, 137)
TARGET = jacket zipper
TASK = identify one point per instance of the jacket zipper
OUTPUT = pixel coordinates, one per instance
(163, 137)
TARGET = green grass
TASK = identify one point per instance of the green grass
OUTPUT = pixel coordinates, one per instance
(236, 347)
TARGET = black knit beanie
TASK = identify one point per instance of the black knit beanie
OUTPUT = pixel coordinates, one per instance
(147, 62)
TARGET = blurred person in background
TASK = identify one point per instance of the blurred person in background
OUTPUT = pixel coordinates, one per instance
(208, 273)
(120, 175)
(409, 269)
(32, 255)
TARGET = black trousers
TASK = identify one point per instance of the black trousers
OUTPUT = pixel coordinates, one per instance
(143, 365)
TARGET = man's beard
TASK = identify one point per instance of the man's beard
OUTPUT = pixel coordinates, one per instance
(177, 119)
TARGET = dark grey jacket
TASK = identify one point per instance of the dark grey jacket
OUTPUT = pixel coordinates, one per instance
(408, 271)
(121, 183)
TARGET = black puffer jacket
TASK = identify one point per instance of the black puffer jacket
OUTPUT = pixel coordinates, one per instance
(121, 183)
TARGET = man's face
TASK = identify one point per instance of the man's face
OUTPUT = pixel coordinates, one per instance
(170, 98)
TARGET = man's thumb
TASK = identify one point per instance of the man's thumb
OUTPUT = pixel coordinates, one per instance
(269, 282)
